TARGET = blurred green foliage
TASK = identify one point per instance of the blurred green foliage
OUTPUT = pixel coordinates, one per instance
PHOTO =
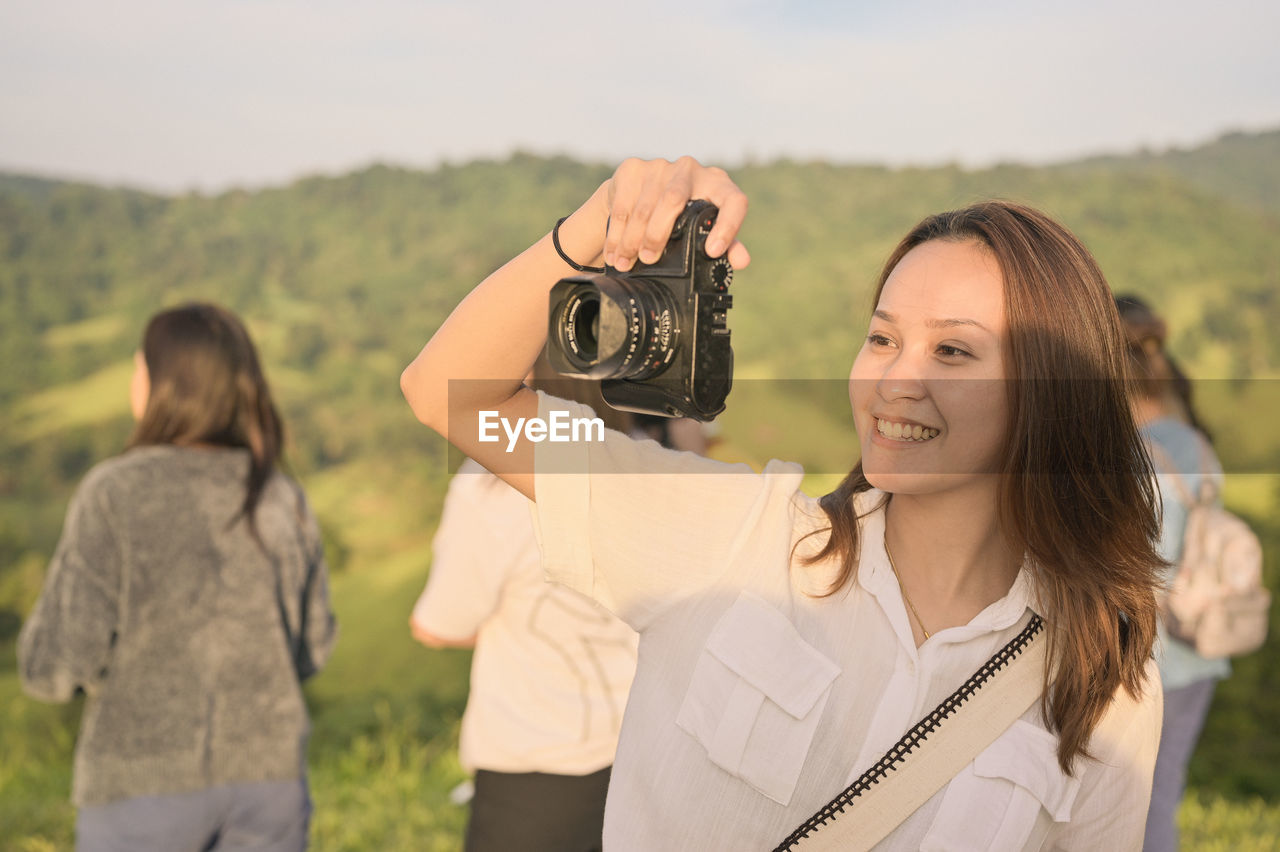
(342, 279)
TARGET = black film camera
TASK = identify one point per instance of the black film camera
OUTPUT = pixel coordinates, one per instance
(657, 336)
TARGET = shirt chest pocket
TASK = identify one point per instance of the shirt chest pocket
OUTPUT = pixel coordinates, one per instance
(756, 696)
(1007, 797)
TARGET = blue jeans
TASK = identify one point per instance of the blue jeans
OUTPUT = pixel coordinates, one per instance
(272, 815)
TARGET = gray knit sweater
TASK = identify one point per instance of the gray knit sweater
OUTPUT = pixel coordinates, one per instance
(167, 614)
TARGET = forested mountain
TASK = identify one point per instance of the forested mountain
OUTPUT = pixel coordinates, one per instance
(343, 278)
(1244, 167)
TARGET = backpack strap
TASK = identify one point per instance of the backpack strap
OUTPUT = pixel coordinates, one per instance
(1207, 491)
(932, 752)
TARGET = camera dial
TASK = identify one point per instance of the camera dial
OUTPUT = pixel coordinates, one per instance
(721, 275)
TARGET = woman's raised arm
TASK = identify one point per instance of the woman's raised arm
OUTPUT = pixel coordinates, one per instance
(478, 358)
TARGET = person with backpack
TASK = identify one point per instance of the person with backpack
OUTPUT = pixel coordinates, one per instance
(1183, 459)
(188, 599)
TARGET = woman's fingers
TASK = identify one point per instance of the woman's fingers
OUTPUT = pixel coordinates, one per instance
(738, 255)
(624, 189)
(673, 193)
(646, 197)
(733, 211)
(640, 218)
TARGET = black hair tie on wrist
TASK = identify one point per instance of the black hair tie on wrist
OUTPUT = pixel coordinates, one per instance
(555, 239)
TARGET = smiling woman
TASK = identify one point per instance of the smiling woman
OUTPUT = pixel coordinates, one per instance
(789, 646)
(987, 331)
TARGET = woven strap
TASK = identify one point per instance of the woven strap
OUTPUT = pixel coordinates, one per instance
(931, 753)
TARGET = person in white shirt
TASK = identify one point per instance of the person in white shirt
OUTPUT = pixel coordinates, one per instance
(550, 672)
(549, 677)
(786, 642)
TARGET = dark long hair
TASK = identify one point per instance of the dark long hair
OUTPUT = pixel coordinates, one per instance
(1076, 491)
(207, 387)
(1153, 371)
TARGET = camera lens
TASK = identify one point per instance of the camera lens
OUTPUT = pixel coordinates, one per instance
(583, 325)
(608, 327)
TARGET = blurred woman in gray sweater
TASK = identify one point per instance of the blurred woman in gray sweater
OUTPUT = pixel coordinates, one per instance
(188, 598)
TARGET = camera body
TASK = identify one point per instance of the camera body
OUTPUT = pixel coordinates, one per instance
(657, 336)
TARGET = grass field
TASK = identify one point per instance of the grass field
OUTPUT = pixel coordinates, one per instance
(383, 752)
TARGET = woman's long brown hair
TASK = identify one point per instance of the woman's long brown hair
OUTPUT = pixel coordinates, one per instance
(1154, 372)
(1076, 488)
(207, 387)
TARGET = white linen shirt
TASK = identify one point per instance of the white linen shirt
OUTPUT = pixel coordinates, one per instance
(755, 702)
(551, 668)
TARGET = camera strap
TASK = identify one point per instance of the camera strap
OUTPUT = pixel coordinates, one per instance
(931, 753)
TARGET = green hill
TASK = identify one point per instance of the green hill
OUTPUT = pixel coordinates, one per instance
(343, 279)
(1243, 167)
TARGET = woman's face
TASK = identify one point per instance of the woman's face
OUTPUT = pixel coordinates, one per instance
(927, 387)
(139, 386)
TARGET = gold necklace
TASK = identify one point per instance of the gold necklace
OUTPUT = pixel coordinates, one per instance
(903, 589)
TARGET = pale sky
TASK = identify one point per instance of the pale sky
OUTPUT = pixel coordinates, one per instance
(179, 94)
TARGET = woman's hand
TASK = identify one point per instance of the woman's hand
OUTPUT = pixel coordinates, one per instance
(645, 198)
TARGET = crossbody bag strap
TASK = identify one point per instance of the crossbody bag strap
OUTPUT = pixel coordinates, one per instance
(932, 752)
